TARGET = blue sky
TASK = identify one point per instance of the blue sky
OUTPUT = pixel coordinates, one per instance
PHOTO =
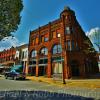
(39, 12)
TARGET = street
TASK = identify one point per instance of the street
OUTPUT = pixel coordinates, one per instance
(42, 87)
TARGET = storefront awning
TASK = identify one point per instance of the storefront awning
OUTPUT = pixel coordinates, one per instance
(57, 59)
(7, 62)
(32, 65)
(42, 65)
(1, 66)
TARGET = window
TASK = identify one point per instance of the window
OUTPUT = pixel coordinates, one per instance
(53, 34)
(44, 51)
(46, 39)
(42, 38)
(37, 40)
(57, 49)
(58, 35)
(34, 53)
(67, 30)
(77, 48)
(43, 61)
(33, 61)
(68, 45)
(72, 29)
(22, 54)
(26, 54)
(34, 41)
(73, 45)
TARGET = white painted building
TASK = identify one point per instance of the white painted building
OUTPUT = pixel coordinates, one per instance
(21, 56)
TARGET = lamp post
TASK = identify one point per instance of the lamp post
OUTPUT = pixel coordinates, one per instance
(63, 77)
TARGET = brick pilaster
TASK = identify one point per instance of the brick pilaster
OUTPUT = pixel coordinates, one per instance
(37, 67)
(49, 64)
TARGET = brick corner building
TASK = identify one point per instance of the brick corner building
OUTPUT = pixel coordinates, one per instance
(61, 46)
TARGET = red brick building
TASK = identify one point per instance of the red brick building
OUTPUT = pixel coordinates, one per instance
(58, 47)
(7, 57)
(14, 56)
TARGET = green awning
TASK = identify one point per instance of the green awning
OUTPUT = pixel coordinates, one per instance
(57, 59)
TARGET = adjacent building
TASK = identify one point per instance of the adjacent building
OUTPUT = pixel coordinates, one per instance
(14, 56)
(7, 58)
(60, 47)
(21, 56)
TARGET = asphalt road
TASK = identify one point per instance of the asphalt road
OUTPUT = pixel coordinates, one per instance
(9, 84)
(28, 85)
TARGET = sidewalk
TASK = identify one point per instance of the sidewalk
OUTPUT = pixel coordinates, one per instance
(84, 83)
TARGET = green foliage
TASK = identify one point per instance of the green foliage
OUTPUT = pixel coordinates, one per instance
(9, 16)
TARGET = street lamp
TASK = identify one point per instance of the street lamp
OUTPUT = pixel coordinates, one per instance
(64, 82)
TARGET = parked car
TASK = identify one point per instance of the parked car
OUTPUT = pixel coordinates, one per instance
(15, 75)
(16, 72)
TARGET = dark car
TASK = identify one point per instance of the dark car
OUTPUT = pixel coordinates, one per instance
(15, 75)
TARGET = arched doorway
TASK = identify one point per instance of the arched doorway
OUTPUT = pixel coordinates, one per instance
(74, 68)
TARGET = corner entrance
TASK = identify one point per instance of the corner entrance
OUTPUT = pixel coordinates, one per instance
(74, 68)
(42, 70)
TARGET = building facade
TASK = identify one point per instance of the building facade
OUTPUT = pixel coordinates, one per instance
(15, 56)
(22, 56)
(7, 58)
(59, 48)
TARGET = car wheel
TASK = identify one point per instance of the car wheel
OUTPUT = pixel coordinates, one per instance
(6, 77)
(15, 78)
(23, 78)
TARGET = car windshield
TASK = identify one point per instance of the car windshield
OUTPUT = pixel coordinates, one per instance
(17, 68)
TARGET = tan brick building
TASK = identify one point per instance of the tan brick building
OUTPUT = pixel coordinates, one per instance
(58, 47)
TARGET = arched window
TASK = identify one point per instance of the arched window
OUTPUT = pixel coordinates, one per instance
(34, 53)
(57, 49)
(44, 51)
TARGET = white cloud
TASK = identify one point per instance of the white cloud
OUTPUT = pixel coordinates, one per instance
(94, 35)
(93, 31)
(8, 42)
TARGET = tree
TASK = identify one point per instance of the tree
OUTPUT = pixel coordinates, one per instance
(9, 16)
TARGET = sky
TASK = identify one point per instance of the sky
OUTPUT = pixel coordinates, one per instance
(39, 12)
